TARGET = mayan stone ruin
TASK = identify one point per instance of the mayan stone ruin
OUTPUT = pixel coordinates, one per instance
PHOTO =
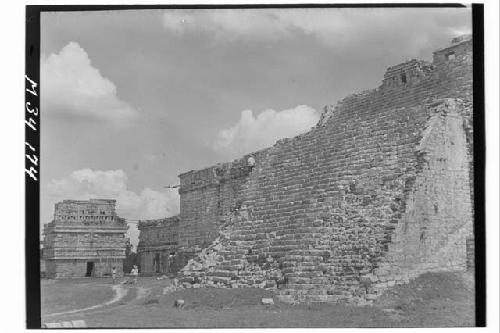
(86, 238)
(377, 193)
(158, 242)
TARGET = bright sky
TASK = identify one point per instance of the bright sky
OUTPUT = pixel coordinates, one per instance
(130, 99)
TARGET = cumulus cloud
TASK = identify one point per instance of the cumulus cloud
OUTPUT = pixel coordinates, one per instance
(251, 132)
(112, 184)
(225, 23)
(71, 86)
(338, 28)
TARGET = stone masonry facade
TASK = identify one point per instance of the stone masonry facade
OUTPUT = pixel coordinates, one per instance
(158, 243)
(378, 192)
(86, 238)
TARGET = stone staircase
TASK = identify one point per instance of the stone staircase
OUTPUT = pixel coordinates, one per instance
(305, 261)
(225, 263)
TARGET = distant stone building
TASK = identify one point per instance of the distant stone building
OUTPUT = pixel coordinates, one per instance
(42, 263)
(157, 249)
(86, 238)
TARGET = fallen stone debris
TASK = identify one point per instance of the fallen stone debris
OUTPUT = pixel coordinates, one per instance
(267, 301)
(179, 303)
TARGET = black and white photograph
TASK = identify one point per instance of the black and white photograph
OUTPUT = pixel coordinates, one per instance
(255, 166)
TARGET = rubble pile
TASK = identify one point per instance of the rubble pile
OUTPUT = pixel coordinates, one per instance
(226, 264)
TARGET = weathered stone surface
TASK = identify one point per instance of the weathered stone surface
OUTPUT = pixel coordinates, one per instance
(85, 238)
(377, 193)
(158, 243)
(267, 301)
(179, 303)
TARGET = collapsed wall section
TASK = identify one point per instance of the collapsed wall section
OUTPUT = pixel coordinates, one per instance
(325, 216)
(208, 197)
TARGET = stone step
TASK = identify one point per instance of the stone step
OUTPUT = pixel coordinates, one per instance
(304, 286)
(288, 291)
(228, 255)
(308, 274)
(302, 260)
(286, 242)
(221, 279)
(303, 270)
(294, 232)
(244, 274)
(282, 248)
(310, 252)
(228, 266)
(222, 273)
(308, 280)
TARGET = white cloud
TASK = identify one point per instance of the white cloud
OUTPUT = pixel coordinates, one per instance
(112, 184)
(225, 23)
(71, 86)
(251, 132)
(337, 28)
(153, 157)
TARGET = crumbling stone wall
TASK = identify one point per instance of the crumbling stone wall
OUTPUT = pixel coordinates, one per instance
(158, 243)
(432, 232)
(84, 233)
(208, 197)
(377, 193)
(94, 211)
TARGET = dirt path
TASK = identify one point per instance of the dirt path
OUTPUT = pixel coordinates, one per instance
(142, 293)
(120, 292)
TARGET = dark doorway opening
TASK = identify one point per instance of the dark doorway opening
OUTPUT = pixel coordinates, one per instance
(90, 269)
(157, 262)
(403, 78)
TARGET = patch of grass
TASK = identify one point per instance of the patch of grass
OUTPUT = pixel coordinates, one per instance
(439, 299)
(216, 299)
(64, 295)
(434, 300)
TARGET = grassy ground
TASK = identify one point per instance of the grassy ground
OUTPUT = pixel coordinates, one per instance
(438, 299)
(64, 295)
